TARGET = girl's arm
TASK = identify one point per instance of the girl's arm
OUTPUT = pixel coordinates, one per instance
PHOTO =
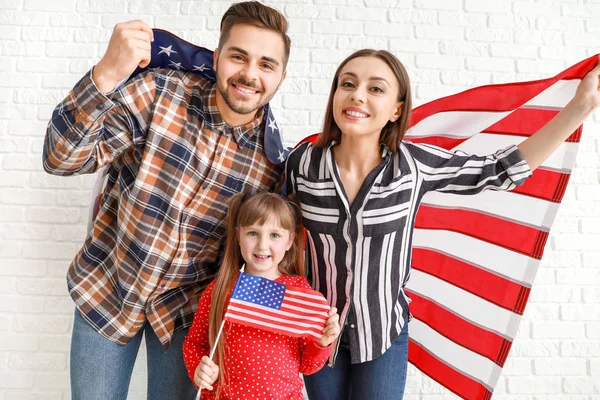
(312, 356)
(196, 343)
(537, 148)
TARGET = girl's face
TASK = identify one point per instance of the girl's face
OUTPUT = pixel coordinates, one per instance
(366, 97)
(263, 247)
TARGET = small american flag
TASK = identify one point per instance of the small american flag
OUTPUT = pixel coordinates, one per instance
(269, 305)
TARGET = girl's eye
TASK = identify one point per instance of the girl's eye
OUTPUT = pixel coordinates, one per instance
(275, 235)
(347, 84)
(377, 89)
(251, 233)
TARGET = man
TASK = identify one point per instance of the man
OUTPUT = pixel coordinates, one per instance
(177, 146)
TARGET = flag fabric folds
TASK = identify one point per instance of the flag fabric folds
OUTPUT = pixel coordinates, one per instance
(475, 257)
(272, 306)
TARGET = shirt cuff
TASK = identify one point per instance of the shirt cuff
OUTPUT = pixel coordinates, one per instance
(515, 165)
(91, 103)
(316, 351)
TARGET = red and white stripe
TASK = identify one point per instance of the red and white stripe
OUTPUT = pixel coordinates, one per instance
(303, 313)
(473, 267)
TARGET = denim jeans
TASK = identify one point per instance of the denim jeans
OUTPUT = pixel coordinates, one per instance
(101, 369)
(383, 378)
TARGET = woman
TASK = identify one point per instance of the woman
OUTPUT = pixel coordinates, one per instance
(359, 187)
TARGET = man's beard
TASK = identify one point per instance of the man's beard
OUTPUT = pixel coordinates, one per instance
(240, 106)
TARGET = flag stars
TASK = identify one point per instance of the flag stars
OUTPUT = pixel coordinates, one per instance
(175, 65)
(200, 68)
(272, 125)
(167, 50)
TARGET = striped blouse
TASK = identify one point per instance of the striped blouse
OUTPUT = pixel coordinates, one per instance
(359, 254)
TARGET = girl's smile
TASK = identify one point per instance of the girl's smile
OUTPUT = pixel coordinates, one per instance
(263, 246)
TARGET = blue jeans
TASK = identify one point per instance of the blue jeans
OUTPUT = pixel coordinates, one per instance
(382, 378)
(101, 369)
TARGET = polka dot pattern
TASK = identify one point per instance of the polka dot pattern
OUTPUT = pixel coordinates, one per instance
(260, 364)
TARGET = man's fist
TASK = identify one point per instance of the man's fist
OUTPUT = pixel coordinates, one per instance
(128, 48)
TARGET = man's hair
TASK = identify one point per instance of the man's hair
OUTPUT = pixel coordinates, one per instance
(259, 15)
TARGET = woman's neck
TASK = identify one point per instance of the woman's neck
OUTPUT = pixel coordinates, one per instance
(357, 154)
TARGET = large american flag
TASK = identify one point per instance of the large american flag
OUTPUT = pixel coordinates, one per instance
(275, 307)
(474, 257)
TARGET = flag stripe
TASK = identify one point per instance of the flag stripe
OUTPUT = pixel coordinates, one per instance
(470, 364)
(237, 313)
(502, 262)
(463, 332)
(466, 305)
(446, 375)
(523, 239)
(510, 206)
(242, 306)
(491, 287)
(545, 185)
(277, 328)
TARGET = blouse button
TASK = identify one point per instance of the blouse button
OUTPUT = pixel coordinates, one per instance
(352, 326)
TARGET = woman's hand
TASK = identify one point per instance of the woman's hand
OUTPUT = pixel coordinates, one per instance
(539, 146)
(332, 328)
(589, 88)
(206, 373)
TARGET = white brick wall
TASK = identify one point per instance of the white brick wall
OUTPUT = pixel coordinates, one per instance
(447, 45)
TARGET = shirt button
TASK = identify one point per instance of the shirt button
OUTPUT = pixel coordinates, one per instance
(352, 326)
(219, 153)
(100, 107)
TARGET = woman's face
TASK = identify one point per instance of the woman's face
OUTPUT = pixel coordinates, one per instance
(366, 97)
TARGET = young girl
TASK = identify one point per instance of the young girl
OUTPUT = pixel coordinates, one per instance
(359, 187)
(264, 233)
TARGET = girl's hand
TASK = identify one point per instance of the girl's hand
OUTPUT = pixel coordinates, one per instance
(206, 373)
(332, 328)
(589, 88)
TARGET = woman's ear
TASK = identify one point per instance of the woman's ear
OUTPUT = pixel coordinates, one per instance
(397, 111)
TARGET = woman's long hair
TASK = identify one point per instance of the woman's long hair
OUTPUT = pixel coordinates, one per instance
(393, 132)
(246, 210)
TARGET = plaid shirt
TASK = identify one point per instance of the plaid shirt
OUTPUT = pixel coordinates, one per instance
(173, 164)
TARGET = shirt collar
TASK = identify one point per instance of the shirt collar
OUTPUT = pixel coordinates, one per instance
(213, 119)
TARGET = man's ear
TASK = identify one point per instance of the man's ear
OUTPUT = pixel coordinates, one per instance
(282, 79)
(215, 58)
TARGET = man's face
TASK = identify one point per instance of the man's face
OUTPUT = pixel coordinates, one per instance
(249, 68)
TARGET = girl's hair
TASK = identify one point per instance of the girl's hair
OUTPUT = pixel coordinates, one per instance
(246, 210)
(393, 132)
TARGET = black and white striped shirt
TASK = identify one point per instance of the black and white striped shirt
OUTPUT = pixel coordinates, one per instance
(359, 255)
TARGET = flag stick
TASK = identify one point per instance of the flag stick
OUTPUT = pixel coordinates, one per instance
(212, 351)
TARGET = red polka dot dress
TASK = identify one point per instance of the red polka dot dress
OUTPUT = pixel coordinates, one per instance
(260, 364)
